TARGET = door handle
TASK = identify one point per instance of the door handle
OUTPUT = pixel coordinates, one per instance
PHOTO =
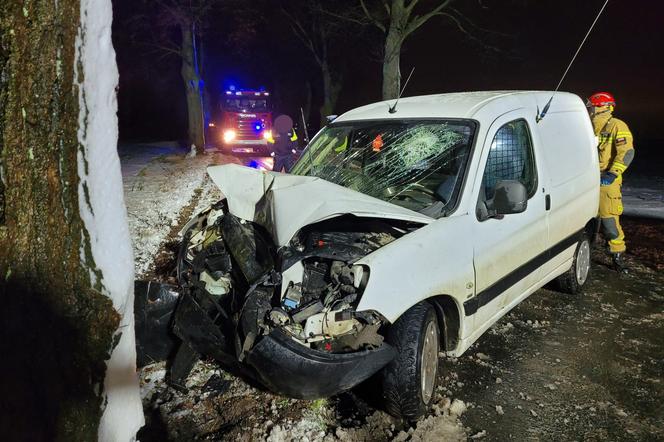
(547, 202)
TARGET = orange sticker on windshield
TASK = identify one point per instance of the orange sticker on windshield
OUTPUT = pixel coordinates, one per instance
(377, 143)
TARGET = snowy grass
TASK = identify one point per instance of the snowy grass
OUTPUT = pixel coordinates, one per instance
(155, 196)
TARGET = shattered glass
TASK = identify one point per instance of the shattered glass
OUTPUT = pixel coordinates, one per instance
(414, 164)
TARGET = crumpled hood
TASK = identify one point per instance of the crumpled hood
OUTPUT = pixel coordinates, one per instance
(284, 203)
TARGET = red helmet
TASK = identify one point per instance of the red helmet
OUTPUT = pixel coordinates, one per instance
(600, 99)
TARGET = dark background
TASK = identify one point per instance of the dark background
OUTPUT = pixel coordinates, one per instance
(535, 42)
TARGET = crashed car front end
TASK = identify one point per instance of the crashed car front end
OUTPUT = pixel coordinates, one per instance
(288, 314)
(271, 276)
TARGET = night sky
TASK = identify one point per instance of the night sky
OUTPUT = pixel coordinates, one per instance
(534, 40)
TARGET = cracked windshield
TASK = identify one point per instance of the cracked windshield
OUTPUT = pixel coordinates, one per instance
(418, 165)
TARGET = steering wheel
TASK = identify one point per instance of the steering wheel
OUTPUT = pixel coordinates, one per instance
(421, 188)
(415, 191)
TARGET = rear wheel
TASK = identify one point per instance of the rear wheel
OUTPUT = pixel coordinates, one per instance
(573, 280)
(409, 380)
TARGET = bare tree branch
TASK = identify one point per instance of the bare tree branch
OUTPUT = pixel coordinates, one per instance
(302, 35)
(373, 20)
(388, 8)
(411, 6)
(348, 17)
(167, 49)
(475, 26)
(467, 33)
(420, 20)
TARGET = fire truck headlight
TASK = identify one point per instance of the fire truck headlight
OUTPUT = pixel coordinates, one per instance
(229, 135)
(267, 134)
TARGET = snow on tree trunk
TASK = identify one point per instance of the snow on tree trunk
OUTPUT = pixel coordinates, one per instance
(102, 208)
(192, 84)
(66, 266)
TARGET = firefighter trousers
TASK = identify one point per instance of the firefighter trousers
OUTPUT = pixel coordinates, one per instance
(284, 162)
(610, 209)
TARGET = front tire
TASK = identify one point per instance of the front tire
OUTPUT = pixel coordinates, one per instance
(573, 280)
(410, 379)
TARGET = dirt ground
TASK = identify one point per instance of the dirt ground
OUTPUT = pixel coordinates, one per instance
(645, 238)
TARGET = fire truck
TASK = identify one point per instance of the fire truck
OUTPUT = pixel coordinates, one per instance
(245, 125)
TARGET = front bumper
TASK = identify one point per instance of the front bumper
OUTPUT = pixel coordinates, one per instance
(291, 369)
(247, 146)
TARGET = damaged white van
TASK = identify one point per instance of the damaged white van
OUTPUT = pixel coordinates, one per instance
(397, 236)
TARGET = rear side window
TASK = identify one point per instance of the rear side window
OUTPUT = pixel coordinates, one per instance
(510, 157)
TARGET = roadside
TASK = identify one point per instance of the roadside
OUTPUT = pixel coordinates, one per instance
(555, 368)
(163, 187)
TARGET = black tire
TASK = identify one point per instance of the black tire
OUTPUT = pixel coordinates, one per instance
(570, 281)
(402, 377)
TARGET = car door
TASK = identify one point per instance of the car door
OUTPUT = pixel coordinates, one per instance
(506, 249)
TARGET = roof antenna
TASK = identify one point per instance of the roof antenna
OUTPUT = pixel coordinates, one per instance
(541, 115)
(393, 108)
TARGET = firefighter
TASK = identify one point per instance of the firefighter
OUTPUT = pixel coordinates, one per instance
(284, 143)
(616, 152)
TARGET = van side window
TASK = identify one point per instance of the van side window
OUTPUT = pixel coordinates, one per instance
(510, 157)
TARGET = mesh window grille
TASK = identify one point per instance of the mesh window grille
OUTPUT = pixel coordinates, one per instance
(510, 158)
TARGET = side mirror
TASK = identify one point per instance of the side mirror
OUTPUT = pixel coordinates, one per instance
(509, 197)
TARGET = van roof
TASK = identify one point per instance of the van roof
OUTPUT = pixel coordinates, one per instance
(475, 105)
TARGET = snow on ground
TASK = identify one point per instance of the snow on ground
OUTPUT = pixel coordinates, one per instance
(643, 196)
(210, 194)
(156, 189)
(220, 406)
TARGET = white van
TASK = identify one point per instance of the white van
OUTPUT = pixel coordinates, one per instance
(397, 235)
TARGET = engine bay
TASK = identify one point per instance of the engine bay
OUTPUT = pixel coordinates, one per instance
(308, 289)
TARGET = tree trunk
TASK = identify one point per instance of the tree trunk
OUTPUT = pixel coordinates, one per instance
(391, 69)
(58, 318)
(192, 84)
(391, 59)
(331, 89)
(394, 38)
(308, 98)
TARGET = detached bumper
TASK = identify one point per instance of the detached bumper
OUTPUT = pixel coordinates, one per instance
(154, 304)
(291, 369)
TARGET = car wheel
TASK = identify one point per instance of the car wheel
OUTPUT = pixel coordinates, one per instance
(409, 380)
(573, 280)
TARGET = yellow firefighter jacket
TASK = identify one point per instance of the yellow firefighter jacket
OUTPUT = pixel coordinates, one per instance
(615, 143)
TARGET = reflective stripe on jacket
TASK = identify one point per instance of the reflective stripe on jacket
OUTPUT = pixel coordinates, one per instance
(615, 143)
